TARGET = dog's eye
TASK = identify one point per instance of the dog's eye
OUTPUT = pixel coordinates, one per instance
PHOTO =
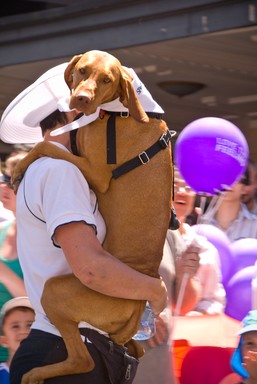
(106, 80)
(82, 71)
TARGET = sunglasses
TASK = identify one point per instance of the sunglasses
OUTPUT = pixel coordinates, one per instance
(184, 188)
(5, 179)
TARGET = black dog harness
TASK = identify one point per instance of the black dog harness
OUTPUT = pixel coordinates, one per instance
(141, 159)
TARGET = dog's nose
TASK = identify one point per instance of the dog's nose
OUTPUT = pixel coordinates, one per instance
(80, 99)
(83, 99)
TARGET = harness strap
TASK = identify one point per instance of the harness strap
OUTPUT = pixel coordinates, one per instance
(111, 139)
(143, 157)
(73, 143)
(73, 135)
(125, 115)
(111, 130)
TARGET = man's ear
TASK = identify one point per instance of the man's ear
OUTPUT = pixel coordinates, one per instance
(3, 341)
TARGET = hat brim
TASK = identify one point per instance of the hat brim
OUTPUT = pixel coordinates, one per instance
(20, 120)
(237, 360)
(247, 328)
(21, 301)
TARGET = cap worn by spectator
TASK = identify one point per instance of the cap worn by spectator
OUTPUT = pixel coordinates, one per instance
(249, 324)
(17, 302)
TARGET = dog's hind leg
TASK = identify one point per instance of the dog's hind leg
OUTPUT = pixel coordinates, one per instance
(78, 358)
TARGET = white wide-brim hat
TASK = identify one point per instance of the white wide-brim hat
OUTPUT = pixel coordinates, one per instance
(20, 120)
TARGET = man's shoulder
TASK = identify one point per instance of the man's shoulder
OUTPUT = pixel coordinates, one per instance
(48, 166)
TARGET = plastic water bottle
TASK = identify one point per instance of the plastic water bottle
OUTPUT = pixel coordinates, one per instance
(147, 325)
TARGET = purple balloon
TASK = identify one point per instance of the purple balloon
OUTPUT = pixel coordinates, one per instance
(244, 254)
(239, 293)
(211, 154)
(221, 242)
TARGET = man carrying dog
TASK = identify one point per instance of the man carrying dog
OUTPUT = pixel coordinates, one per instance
(60, 231)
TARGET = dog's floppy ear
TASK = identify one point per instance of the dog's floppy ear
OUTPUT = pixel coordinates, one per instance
(68, 73)
(128, 98)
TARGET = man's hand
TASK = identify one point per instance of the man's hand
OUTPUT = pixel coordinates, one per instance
(158, 305)
(188, 262)
(250, 364)
(161, 331)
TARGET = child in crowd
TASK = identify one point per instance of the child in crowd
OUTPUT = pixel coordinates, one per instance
(244, 359)
(11, 276)
(17, 315)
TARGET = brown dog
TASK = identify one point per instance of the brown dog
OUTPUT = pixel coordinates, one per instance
(136, 207)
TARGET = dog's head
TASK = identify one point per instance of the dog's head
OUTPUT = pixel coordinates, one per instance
(96, 77)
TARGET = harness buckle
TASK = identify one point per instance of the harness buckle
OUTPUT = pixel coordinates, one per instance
(164, 141)
(124, 114)
(143, 157)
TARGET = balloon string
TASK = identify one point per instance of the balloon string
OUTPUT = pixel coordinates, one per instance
(202, 207)
(177, 309)
(213, 206)
(181, 294)
(219, 199)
